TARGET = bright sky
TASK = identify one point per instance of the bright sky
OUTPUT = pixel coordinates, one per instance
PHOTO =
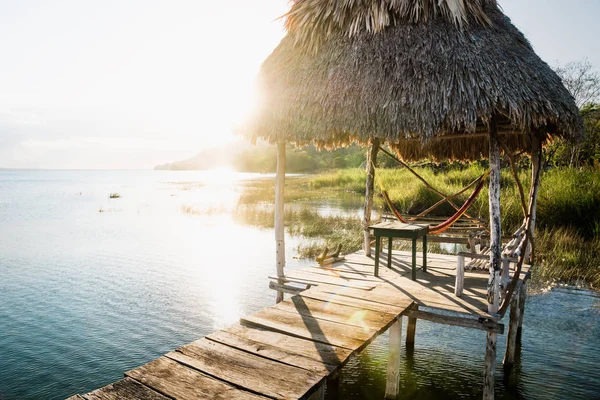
(134, 83)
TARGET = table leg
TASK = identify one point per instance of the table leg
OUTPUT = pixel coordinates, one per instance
(425, 253)
(377, 251)
(389, 264)
(414, 259)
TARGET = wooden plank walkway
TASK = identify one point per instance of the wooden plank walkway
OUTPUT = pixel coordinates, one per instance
(288, 350)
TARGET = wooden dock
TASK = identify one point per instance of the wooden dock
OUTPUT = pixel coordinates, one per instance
(292, 349)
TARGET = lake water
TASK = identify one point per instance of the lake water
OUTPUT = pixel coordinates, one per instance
(91, 287)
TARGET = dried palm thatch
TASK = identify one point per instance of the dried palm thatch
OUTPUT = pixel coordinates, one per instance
(407, 71)
(312, 21)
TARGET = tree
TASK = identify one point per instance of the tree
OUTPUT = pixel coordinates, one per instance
(583, 81)
(580, 78)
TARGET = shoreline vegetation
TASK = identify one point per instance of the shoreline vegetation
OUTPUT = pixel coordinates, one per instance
(567, 233)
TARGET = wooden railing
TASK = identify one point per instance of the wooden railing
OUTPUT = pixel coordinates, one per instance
(511, 252)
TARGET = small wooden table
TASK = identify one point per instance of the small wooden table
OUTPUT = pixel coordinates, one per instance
(396, 229)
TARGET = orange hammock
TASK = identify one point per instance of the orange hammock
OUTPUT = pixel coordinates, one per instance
(437, 229)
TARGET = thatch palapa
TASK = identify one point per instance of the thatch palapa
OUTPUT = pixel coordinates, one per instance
(407, 71)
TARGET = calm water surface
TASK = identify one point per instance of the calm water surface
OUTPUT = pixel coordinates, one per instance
(92, 286)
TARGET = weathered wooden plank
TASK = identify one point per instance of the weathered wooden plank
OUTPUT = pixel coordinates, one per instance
(285, 289)
(178, 381)
(338, 273)
(125, 389)
(321, 352)
(317, 294)
(438, 297)
(300, 276)
(310, 328)
(349, 266)
(485, 325)
(391, 297)
(271, 352)
(434, 296)
(361, 318)
(440, 303)
(245, 370)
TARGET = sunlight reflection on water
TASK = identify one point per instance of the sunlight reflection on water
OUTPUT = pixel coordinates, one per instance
(86, 295)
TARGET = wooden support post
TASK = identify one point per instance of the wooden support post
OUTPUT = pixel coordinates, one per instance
(425, 253)
(489, 366)
(522, 298)
(495, 221)
(279, 215)
(377, 254)
(536, 165)
(369, 192)
(414, 259)
(411, 329)
(389, 257)
(392, 385)
(467, 322)
(333, 387)
(319, 394)
(505, 276)
(460, 276)
(472, 244)
(513, 326)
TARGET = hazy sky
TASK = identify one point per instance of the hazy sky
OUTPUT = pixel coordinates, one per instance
(134, 83)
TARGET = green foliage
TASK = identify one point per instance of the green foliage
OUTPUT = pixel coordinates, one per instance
(563, 256)
(320, 231)
(349, 180)
(570, 197)
(583, 153)
(568, 212)
(299, 160)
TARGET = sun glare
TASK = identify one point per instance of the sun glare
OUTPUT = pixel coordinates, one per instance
(175, 75)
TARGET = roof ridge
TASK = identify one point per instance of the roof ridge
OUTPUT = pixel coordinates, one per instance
(313, 20)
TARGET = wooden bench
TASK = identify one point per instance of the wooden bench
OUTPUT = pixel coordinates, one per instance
(481, 261)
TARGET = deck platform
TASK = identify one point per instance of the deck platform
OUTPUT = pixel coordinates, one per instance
(289, 350)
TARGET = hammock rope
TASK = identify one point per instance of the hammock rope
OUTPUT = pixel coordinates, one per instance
(442, 227)
(419, 177)
(445, 225)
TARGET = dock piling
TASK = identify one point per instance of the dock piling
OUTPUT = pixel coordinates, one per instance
(411, 329)
(490, 366)
(460, 276)
(333, 387)
(319, 394)
(511, 337)
(522, 298)
(392, 385)
(279, 221)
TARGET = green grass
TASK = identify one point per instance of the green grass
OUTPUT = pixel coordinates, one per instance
(319, 231)
(563, 257)
(568, 228)
(567, 198)
(571, 198)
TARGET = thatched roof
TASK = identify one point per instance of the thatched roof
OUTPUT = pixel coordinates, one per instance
(406, 71)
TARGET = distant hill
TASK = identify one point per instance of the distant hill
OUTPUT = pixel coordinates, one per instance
(262, 157)
(219, 156)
